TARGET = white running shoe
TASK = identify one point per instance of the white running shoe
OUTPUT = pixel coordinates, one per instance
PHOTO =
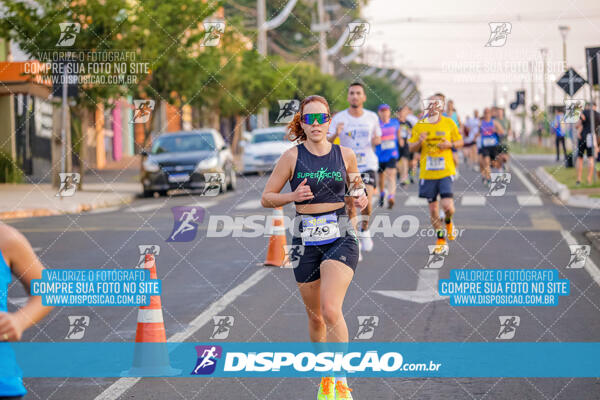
(366, 241)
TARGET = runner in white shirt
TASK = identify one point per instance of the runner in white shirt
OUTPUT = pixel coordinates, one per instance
(359, 130)
(470, 147)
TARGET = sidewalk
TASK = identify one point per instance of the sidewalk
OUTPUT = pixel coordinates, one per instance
(113, 186)
(24, 201)
(571, 197)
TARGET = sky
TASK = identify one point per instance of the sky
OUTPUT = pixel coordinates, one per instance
(444, 45)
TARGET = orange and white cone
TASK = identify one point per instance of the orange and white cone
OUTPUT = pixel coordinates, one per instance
(151, 355)
(150, 323)
(277, 242)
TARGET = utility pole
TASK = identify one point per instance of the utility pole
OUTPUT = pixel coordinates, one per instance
(63, 126)
(261, 11)
(532, 65)
(261, 46)
(322, 37)
(544, 52)
(524, 115)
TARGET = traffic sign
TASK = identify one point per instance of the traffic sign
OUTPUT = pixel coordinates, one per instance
(592, 60)
(571, 82)
(520, 100)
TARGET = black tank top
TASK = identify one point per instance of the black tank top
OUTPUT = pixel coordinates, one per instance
(326, 175)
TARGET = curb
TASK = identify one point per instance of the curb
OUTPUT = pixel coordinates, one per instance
(562, 192)
(556, 188)
(83, 207)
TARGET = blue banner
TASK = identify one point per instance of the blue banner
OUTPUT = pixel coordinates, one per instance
(97, 287)
(223, 359)
(504, 287)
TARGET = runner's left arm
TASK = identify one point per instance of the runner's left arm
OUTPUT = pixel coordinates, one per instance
(498, 128)
(352, 168)
(455, 137)
(376, 139)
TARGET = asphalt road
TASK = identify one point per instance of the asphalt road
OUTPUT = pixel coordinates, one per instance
(521, 229)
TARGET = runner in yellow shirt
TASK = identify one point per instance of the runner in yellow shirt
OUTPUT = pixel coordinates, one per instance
(434, 137)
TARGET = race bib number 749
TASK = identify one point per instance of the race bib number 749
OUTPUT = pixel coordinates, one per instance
(319, 230)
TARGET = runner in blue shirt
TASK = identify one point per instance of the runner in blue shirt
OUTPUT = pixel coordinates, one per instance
(387, 153)
(16, 257)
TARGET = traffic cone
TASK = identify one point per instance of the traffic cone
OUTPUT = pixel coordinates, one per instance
(151, 355)
(276, 251)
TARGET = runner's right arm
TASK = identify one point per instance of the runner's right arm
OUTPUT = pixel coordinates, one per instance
(335, 129)
(26, 266)
(416, 139)
(281, 174)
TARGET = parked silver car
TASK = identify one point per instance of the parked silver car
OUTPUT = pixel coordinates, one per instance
(264, 148)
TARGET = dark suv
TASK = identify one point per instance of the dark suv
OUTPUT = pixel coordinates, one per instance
(185, 160)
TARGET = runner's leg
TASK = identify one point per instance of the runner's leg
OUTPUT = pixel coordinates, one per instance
(335, 279)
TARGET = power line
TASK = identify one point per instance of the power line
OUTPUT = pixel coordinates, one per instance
(483, 18)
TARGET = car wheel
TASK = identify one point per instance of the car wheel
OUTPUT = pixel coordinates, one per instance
(232, 185)
(147, 193)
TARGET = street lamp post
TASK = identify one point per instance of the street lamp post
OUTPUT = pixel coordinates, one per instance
(563, 29)
(544, 52)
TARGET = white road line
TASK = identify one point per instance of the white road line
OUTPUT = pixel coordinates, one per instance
(206, 204)
(472, 201)
(426, 289)
(18, 301)
(525, 201)
(117, 389)
(143, 208)
(249, 205)
(415, 201)
(589, 266)
(104, 210)
(532, 189)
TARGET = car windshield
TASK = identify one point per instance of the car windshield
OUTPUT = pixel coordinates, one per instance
(268, 137)
(181, 143)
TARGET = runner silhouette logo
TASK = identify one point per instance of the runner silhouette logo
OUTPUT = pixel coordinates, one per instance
(185, 223)
(436, 256)
(207, 359)
(77, 326)
(573, 109)
(223, 324)
(366, 326)
(508, 326)
(579, 255)
(499, 32)
(499, 183)
(287, 109)
(294, 253)
(144, 249)
(213, 182)
(68, 184)
(212, 33)
(357, 34)
(68, 33)
(142, 111)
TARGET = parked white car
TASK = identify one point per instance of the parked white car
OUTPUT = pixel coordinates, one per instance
(263, 149)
